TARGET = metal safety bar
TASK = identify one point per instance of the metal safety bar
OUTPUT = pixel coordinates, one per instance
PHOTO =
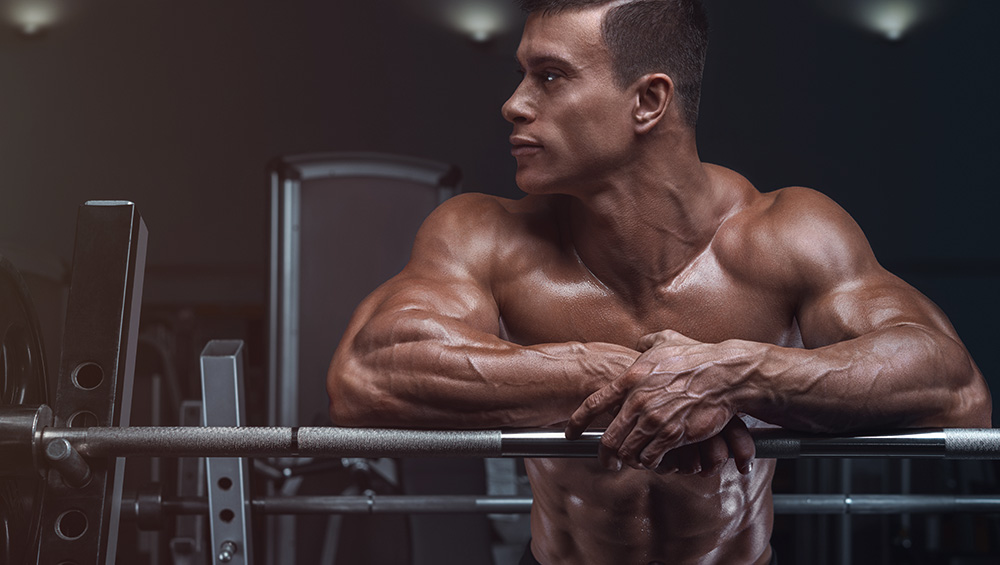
(394, 504)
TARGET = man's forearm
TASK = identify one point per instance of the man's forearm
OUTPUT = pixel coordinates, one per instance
(453, 377)
(903, 376)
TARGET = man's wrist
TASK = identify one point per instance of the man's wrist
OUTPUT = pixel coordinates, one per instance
(756, 387)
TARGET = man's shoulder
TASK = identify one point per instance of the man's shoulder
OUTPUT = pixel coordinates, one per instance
(474, 214)
(791, 233)
(778, 213)
(478, 230)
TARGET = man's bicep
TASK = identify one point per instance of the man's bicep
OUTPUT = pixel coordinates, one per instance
(448, 277)
(864, 304)
(843, 291)
(443, 304)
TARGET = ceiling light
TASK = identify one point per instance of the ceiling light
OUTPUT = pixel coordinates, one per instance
(891, 19)
(479, 19)
(32, 17)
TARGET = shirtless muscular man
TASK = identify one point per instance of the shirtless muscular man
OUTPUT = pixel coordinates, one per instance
(639, 289)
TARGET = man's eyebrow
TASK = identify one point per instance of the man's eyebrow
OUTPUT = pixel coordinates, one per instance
(543, 60)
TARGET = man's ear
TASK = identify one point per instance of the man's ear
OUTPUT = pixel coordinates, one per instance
(653, 94)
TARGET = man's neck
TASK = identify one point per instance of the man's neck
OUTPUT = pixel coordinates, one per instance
(641, 229)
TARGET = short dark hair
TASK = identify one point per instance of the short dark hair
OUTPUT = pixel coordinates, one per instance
(649, 36)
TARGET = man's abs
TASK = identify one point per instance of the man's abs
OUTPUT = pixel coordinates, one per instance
(586, 514)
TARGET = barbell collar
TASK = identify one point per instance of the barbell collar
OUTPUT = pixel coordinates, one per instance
(21, 429)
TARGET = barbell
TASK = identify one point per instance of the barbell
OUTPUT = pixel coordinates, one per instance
(29, 442)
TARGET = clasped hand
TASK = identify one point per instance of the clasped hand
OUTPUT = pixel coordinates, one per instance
(673, 408)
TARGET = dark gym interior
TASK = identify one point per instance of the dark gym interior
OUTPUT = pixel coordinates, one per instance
(187, 108)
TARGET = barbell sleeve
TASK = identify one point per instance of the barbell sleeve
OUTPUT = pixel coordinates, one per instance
(373, 443)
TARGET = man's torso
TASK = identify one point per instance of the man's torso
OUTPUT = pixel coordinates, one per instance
(546, 294)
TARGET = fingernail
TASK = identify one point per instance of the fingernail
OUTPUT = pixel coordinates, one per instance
(617, 464)
(745, 469)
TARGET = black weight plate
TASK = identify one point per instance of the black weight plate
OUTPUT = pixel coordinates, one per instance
(22, 382)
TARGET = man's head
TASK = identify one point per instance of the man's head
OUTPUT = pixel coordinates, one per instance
(649, 36)
(584, 116)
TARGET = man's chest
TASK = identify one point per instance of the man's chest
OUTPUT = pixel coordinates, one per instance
(706, 304)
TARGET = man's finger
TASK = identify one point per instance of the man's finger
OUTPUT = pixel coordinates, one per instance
(657, 452)
(610, 452)
(600, 402)
(714, 455)
(741, 444)
(689, 459)
(648, 341)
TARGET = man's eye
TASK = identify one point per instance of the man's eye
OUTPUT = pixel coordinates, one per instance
(549, 77)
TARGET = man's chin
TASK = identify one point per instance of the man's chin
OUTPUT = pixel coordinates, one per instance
(535, 184)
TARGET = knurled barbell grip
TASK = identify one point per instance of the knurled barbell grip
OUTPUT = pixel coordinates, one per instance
(972, 443)
(276, 442)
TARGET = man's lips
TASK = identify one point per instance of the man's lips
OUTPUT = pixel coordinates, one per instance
(522, 146)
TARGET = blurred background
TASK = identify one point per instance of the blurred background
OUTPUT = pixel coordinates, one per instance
(887, 106)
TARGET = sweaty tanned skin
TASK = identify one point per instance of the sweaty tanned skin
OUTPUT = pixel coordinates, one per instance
(637, 288)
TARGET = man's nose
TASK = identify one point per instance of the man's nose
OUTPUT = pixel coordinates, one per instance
(516, 109)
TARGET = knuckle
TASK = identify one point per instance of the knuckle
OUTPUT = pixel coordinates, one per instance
(717, 459)
(609, 440)
(660, 419)
(593, 402)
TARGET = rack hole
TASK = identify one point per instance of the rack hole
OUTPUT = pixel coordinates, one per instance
(225, 483)
(83, 419)
(71, 525)
(227, 515)
(88, 376)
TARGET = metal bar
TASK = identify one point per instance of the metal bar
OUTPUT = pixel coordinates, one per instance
(68, 462)
(188, 543)
(955, 443)
(283, 358)
(883, 503)
(376, 504)
(228, 477)
(386, 504)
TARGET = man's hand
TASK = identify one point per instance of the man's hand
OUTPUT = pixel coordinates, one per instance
(675, 408)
